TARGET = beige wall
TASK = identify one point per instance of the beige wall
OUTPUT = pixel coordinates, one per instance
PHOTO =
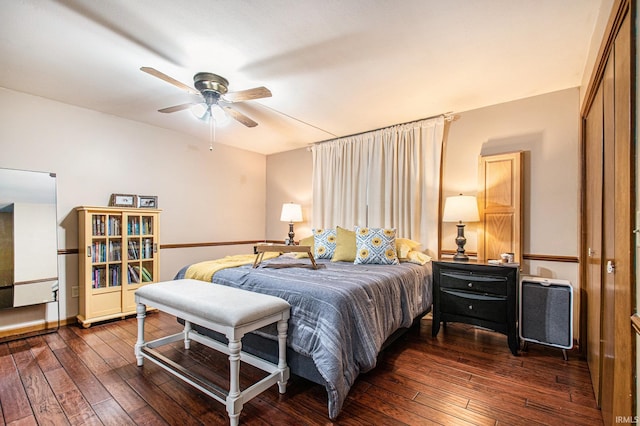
(545, 126)
(288, 180)
(205, 196)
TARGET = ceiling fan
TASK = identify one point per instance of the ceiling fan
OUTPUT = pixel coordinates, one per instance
(214, 91)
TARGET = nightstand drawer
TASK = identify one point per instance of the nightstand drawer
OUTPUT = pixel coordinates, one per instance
(474, 305)
(474, 282)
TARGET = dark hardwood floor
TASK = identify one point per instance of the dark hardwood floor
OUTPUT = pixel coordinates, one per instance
(464, 376)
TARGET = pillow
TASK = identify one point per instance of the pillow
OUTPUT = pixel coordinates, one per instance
(376, 246)
(345, 246)
(404, 246)
(324, 242)
(308, 241)
(417, 257)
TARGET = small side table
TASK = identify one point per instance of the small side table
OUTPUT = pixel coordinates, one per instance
(477, 293)
(261, 249)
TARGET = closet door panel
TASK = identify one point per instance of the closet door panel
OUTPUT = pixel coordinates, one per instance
(623, 218)
(607, 319)
(593, 237)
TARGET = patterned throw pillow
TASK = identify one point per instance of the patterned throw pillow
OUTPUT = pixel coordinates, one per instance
(324, 242)
(376, 245)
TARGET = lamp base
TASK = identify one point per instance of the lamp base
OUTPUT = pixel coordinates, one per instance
(290, 241)
(461, 257)
(460, 241)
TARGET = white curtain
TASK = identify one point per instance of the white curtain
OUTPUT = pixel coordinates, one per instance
(384, 178)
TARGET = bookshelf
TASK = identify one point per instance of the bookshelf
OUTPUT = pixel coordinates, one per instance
(118, 254)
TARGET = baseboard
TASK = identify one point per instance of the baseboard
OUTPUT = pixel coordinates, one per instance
(34, 329)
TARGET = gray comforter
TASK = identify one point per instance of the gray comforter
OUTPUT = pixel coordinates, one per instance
(342, 313)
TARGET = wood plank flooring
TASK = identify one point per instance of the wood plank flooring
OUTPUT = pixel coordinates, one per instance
(465, 376)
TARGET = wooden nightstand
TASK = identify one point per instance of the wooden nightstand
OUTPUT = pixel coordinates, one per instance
(479, 294)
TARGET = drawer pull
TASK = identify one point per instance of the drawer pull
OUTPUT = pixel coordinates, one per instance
(470, 307)
(470, 285)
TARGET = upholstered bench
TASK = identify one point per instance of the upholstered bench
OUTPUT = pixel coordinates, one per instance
(227, 310)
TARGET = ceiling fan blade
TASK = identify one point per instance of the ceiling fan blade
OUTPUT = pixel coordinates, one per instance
(154, 72)
(240, 117)
(247, 95)
(177, 107)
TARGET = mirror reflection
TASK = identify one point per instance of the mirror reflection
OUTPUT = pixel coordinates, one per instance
(28, 238)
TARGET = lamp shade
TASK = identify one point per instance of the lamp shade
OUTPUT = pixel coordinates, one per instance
(461, 208)
(291, 213)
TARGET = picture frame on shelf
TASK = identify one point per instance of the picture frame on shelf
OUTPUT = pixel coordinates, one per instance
(147, 201)
(123, 200)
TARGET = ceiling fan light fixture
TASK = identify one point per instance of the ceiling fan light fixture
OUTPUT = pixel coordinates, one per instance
(207, 81)
(199, 111)
(212, 89)
(219, 115)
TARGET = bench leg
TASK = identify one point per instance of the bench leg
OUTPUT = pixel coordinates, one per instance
(234, 400)
(187, 330)
(141, 313)
(282, 355)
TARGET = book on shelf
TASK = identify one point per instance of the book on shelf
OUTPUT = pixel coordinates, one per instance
(97, 225)
(134, 252)
(147, 252)
(115, 251)
(133, 275)
(114, 225)
(99, 279)
(114, 271)
(133, 226)
(147, 225)
(99, 252)
(145, 274)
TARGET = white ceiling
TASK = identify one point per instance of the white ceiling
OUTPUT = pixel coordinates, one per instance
(335, 67)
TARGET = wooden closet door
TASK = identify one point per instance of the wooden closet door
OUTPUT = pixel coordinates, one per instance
(609, 240)
(607, 316)
(623, 218)
(594, 135)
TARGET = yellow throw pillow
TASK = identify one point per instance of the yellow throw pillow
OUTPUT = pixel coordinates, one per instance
(345, 246)
(404, 246)
(305, 242)
(417, 257)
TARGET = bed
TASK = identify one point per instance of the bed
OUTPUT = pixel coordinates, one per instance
(342, 315)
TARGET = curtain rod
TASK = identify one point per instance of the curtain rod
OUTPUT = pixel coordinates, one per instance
(448, 116)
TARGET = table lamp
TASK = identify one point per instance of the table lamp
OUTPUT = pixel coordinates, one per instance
(461, 208)
(291, 213)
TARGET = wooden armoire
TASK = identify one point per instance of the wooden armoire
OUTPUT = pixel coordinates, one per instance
(608, 219)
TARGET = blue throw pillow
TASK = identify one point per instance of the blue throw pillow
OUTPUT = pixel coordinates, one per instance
(324, 243)
(376, 246)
